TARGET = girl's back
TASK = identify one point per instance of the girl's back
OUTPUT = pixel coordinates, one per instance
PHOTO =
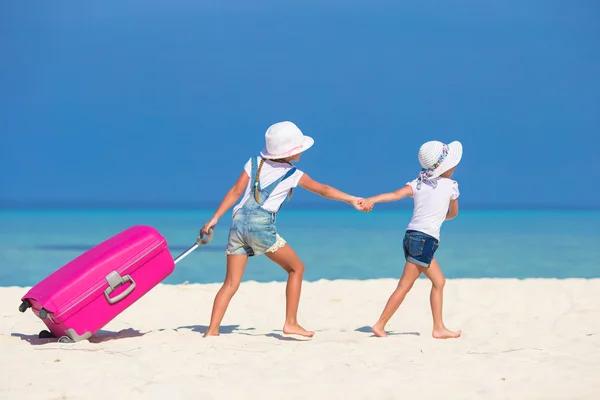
(269, 173)
(431, 205)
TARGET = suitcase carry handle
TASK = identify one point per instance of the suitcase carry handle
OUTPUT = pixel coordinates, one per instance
(114, 281)
(200, 241)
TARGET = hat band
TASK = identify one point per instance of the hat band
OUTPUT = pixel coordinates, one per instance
(287, 152)
(426, 173)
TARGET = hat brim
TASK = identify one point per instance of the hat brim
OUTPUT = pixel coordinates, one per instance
(455, 151)
(306, 144)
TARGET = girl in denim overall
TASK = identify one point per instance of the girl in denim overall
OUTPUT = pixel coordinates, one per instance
(253, 231)
(436, 200)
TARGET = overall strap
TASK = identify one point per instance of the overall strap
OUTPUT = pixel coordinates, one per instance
(253, 172)
(269, 189)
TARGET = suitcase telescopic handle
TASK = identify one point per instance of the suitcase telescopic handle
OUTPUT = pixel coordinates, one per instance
(200, 241)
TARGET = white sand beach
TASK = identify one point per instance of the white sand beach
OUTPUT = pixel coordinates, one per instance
(529, 339)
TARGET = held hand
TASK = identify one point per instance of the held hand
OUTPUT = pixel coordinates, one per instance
(210, 224)
(367, 205)
(356, 203)
(360, 205)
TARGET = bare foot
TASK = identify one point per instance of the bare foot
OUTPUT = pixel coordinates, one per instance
(296, 329)
(211, 333)
(445, 333)
(378, 331)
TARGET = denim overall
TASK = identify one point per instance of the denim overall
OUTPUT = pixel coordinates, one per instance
(253, 229)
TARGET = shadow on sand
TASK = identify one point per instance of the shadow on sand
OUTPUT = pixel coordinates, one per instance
(367, 329)
(100, 337)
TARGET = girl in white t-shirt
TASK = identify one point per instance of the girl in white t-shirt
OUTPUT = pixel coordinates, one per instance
(266, 182)
(435, 200)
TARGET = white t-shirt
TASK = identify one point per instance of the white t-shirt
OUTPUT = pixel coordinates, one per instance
(431, 205)
(270, 172)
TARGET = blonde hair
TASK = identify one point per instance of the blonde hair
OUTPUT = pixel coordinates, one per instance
(262, 161)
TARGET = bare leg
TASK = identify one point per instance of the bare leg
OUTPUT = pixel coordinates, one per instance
(438, 280)
(236, 264)
(409, 276)
(289, 261)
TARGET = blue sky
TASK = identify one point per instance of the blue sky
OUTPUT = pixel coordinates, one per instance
(163, 102)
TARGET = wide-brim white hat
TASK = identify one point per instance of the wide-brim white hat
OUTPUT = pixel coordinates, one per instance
(285, 139)
(439, 157)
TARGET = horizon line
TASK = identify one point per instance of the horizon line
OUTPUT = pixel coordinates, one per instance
(203, 205)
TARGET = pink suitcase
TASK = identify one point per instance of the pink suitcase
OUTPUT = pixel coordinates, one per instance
(80, 298)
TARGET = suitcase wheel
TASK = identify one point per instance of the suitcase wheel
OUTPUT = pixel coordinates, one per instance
(24, 305)
(46, 335)
(65, 339)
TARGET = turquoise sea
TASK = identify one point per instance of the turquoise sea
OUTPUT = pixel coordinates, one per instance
(334, 244)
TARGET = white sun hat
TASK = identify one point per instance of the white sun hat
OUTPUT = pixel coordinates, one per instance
(285, 139)
(437, 157)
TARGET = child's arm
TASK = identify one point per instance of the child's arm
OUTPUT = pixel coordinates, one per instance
(230, 198)
(452, 210)
(328, 192)
(399, 194)
(453, 206)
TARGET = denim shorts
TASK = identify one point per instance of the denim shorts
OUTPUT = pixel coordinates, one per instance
(419, 248)
(253, 233)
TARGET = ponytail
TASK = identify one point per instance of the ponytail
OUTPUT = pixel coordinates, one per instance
(256, 196)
